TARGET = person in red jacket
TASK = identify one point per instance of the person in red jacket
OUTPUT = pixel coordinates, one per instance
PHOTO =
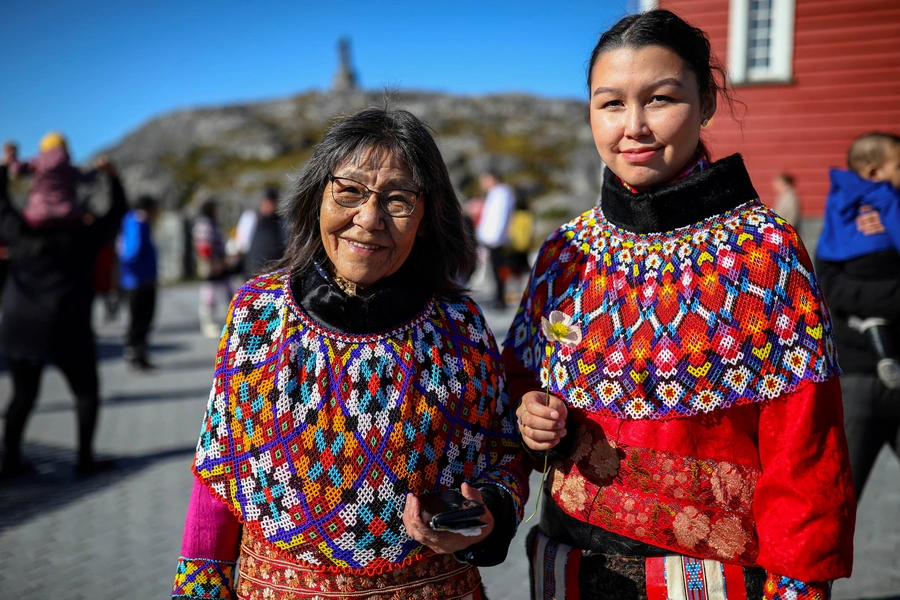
(674, 355)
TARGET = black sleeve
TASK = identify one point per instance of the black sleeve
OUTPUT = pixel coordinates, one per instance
(106, 228)
(492, 550)
(10, 220)
(864, 298)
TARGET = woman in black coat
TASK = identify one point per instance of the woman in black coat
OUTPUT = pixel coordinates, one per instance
(47, 316)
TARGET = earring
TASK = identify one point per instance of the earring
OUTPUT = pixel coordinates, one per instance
(704, 123)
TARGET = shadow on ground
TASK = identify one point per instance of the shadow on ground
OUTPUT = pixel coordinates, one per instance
(54, 484)
(111, 349)
(128, 399)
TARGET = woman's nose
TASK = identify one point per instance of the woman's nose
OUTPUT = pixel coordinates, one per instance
(369, 215)
(636, 123)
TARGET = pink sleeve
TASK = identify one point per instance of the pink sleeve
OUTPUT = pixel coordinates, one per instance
(209, 549)
(804, 503)
(211, 530)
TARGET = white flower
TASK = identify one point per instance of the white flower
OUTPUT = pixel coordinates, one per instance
(559, 328)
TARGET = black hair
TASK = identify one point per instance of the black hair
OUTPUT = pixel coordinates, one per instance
(208, 208)
(271, 193)
(443, 254)
(666, 29)
(146, 203)
(870, 150)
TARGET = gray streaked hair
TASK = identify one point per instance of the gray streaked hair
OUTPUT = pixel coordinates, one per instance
(443, 254)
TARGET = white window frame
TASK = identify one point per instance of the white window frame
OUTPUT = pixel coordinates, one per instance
(781, 50)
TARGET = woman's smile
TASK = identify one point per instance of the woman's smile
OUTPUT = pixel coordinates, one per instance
(640, 155)
(362, 247)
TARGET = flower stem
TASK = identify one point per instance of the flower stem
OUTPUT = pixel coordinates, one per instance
(537, 504)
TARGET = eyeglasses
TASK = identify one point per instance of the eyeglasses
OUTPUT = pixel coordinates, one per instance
(350, 194)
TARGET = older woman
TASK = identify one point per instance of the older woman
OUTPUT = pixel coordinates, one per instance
(349, 383)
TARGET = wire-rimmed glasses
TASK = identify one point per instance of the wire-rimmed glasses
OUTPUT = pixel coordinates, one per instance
(395, 203)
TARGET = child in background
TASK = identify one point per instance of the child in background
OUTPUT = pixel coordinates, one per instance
(873, 183)
(52, 198)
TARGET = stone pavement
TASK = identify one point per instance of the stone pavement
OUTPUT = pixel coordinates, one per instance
(118, 535)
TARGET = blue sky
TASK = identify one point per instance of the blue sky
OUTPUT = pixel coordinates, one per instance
(97, 69)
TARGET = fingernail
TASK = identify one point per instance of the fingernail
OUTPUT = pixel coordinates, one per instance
(554, 415)
(560, 423)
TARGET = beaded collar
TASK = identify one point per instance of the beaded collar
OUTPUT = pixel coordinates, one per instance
(691, 298)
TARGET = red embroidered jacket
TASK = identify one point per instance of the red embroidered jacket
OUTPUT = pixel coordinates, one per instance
(704, 401)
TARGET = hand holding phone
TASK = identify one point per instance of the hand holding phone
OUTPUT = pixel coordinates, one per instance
(446, 540)
(449, 510)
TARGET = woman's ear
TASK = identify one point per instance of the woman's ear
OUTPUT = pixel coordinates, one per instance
(708, 106)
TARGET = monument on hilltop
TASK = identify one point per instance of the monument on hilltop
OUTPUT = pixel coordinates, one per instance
(345, 77)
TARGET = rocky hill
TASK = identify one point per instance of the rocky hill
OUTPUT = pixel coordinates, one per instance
(541, 146)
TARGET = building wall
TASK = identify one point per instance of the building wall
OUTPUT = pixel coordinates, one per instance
(846, 81)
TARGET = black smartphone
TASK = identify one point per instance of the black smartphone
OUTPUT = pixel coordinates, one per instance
(449, 510)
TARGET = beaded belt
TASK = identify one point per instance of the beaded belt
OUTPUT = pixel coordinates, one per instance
(265, 574)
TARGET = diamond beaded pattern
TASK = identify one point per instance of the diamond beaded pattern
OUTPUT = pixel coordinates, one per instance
(721, 313)
(314, 437)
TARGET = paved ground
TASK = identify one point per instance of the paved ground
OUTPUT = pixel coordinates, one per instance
(117, 536)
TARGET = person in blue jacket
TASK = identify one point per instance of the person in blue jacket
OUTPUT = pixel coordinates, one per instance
(858, 263)
(138, 271)
(871, 184)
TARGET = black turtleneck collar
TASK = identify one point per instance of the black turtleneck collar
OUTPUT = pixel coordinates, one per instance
(389, 302)
(722, 187)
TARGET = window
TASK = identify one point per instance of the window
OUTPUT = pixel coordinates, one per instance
(761, 40)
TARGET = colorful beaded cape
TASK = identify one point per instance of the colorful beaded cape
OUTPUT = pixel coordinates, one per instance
(717, 314)
(314, 437)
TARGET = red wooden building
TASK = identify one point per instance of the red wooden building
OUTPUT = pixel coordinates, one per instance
(814, 74)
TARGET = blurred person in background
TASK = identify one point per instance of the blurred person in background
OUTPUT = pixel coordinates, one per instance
(267, 243)
(787, 203)
(239, 241)
(521, 236)
(47, 316)
(858, 262)
(138, 273)
(351, 383)
(106, 286)
(4, 267)
(473, 207)
(693, 407)
(493, 229)
(52, 195)
(212, 266)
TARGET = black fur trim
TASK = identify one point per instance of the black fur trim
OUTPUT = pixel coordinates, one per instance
(722, 187)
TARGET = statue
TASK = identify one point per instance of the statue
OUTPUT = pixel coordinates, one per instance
(345, 77)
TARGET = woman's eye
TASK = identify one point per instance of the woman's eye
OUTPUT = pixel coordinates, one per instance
(660, 98)
(612, 104)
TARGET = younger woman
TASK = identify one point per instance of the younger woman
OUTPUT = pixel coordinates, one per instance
(694, 427)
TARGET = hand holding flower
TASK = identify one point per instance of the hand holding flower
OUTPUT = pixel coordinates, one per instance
(542, 426)
(558, 329)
